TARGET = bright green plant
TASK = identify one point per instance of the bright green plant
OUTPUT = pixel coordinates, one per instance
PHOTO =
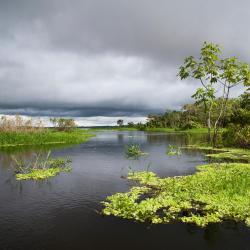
(173, 150)
(134, 151)
(217, 192)
(40, 168)
(215, 72)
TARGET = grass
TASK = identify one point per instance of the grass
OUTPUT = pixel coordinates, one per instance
(48, 136)
(176, 130)
(134, 151)
(215, 193)
(173, 150)
(39, 168)
(95, 129)
(223, 154)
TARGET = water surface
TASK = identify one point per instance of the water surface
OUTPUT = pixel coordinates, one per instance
(62, 212)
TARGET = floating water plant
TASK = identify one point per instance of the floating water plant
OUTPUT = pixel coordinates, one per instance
(217, 192)
(173, 150)
(40, 168)
(134, 151)
(223, 154)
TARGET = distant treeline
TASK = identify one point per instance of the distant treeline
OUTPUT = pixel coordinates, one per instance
(236, 119)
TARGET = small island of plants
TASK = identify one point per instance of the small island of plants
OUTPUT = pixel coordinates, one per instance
(16, 131)
(215, 193)
(40, 168)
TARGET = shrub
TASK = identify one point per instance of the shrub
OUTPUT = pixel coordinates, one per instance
(63, 124)
(134, 151)
(237, 135)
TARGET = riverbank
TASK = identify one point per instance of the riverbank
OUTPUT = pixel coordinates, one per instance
(44, 137)
(164, 130)
(176, 130)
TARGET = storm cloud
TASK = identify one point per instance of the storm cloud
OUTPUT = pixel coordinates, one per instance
(115, 58)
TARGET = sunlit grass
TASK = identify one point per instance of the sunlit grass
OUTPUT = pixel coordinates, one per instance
(45, 137)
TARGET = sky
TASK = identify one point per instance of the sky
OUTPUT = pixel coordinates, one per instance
(99, 61)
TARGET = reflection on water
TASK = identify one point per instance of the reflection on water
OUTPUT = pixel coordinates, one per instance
(60, 213)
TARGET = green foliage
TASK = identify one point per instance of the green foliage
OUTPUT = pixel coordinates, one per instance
(215, 193)
(178, 130)
(223, 154)
(41, 174)
(173, 150)
(213, 69)
(134, 151)
(63, 124)
(237, 135)
(40, 168)
(214, 73)
(43, 137)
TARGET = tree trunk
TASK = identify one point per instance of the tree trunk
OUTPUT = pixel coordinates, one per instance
(221, 115)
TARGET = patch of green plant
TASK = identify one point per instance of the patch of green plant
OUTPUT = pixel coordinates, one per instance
(134, 151)
(41, 174)
(40, 168)
(178, 130)
(48, 136)
(215, 193)
(173, 150)
(223, 154)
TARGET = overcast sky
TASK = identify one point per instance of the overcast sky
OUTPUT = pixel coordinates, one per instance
(109, 58)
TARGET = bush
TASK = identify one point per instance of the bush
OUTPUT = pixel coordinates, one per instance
(237, 135)
(190, 125)
(63, 124)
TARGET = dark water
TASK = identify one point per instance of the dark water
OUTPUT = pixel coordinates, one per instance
(60, 213)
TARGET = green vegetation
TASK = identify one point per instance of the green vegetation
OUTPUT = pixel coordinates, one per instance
(39, 168)
(134, 151)
(110, 128)
(217, 77)
(217, 192)
(63, 124)
(214, 73)
(17, 131)
(177, 130)
(41, 174)
(173, 150)
(46, 136)
(223, 154)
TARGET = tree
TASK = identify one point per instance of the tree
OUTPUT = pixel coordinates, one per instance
(206, 96)
(213, 73)
(120, 122)
(63, 124)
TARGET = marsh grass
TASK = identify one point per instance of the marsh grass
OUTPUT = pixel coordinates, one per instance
(40, 167)
(173, 150)
(48, 136)
(215, 193)
(134, 151)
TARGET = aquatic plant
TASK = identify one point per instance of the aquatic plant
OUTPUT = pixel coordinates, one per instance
(40, 168)
(217, 192)
(223, 154)
(134, 151)
(173, 150)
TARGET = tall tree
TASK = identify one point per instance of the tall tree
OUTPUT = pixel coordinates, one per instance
(214, 73)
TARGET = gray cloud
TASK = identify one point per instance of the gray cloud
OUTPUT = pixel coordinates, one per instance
(108, 58)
